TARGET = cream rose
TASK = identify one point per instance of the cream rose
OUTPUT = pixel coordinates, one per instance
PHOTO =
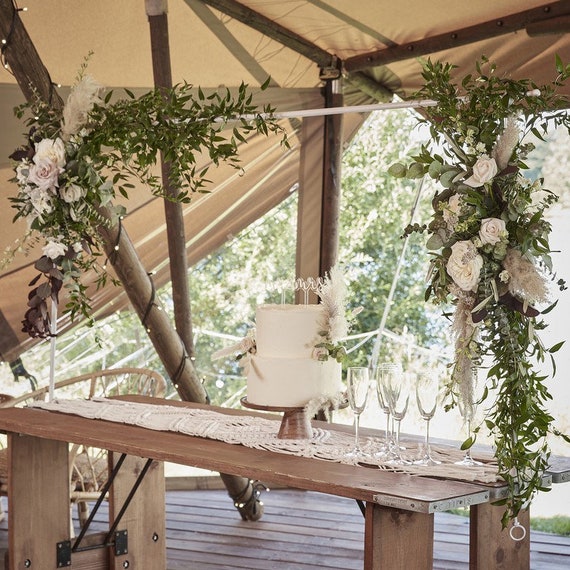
(71, 193)
(53, 150)
(44, 174)
(451, 210)
(464, 265)
(491, 231)
(54, 249)
(484, 170)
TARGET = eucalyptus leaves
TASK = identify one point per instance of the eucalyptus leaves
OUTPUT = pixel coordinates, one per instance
(76, 161)
(488, 238)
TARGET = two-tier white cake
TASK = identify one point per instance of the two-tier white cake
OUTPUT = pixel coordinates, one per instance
(285, 370)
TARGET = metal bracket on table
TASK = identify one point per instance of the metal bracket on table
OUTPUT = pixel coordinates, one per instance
(113, 537)
(430, 507)
(499, 493)
(63, 556)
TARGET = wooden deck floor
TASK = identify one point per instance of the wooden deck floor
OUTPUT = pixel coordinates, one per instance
(299, 531)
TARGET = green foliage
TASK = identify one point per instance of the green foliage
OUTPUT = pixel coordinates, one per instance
(554, 525)
(375, 209)
(77, 161)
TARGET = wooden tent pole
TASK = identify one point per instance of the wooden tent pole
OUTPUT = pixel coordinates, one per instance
(239, 488)
(175, 231)
(331, 191)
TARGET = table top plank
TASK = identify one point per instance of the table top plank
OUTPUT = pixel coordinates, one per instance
(367, 484)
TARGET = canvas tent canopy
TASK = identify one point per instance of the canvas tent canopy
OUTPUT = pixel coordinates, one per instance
(369, 49)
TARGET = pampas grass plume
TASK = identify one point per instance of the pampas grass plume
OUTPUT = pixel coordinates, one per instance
(506, 143)
(78, 105)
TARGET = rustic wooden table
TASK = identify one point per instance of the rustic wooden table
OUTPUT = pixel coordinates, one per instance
(399, 508)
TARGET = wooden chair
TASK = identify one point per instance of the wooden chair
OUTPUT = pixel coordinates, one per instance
(88, 467)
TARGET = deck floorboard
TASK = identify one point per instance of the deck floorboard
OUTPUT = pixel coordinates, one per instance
(299, 530)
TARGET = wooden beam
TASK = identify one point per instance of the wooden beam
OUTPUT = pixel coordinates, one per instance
(22, 58)
(176, 236)
(449, 40)
(291, 40)
(272, 30)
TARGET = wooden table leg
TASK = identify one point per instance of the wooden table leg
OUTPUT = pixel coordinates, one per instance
(38, 500)
(490, 547)
(145, 518)
(397, 540)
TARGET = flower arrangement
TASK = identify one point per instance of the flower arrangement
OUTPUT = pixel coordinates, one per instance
(77, 160)
(335, 321)
(488, 238)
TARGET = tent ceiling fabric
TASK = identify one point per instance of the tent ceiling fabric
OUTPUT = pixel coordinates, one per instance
(213, 43)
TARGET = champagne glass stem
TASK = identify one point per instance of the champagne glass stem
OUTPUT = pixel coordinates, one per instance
(356, 432)
(427, 436)
(398, 422)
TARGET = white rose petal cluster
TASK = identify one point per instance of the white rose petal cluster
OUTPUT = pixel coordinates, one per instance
(492, 230)
(54, 249)
(451, 211)
(484, 170)
(44, 174)
(464, 265)
(52, 150)
(47, 165)
(71, 193)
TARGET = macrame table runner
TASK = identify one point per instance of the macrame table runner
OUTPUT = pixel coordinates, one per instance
(261, 433)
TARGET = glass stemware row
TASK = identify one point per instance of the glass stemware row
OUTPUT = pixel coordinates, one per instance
(388, 380)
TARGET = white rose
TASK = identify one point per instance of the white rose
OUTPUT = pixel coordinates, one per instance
(451, 210)
(44, 174)
(53, 150)
(71, 193)
(54, 249)
(491, 231)
(484, 170)
(464, 265)
(41, 200)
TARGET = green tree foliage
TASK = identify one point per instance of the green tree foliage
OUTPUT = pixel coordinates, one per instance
(376, 208)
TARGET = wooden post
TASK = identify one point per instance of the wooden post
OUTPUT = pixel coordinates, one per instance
(23, 59)
(491, 547)
(145, 517)
(42, 494)
(397, 535)
(332, 156)
(175, 231)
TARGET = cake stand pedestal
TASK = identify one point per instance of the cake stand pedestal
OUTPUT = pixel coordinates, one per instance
(295, 423)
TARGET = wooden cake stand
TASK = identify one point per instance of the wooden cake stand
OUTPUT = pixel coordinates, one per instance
(295, 423)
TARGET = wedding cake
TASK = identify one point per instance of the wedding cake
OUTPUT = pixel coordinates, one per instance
(288, 367)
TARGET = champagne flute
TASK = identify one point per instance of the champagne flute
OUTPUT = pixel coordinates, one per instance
(379, 372)
(426, 399)
(392, 378)
(467, 412)
(398, 412)
(358, 384)
(467, 408)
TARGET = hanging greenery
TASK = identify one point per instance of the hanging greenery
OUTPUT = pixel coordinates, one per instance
(490, 255)
(77, 161)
